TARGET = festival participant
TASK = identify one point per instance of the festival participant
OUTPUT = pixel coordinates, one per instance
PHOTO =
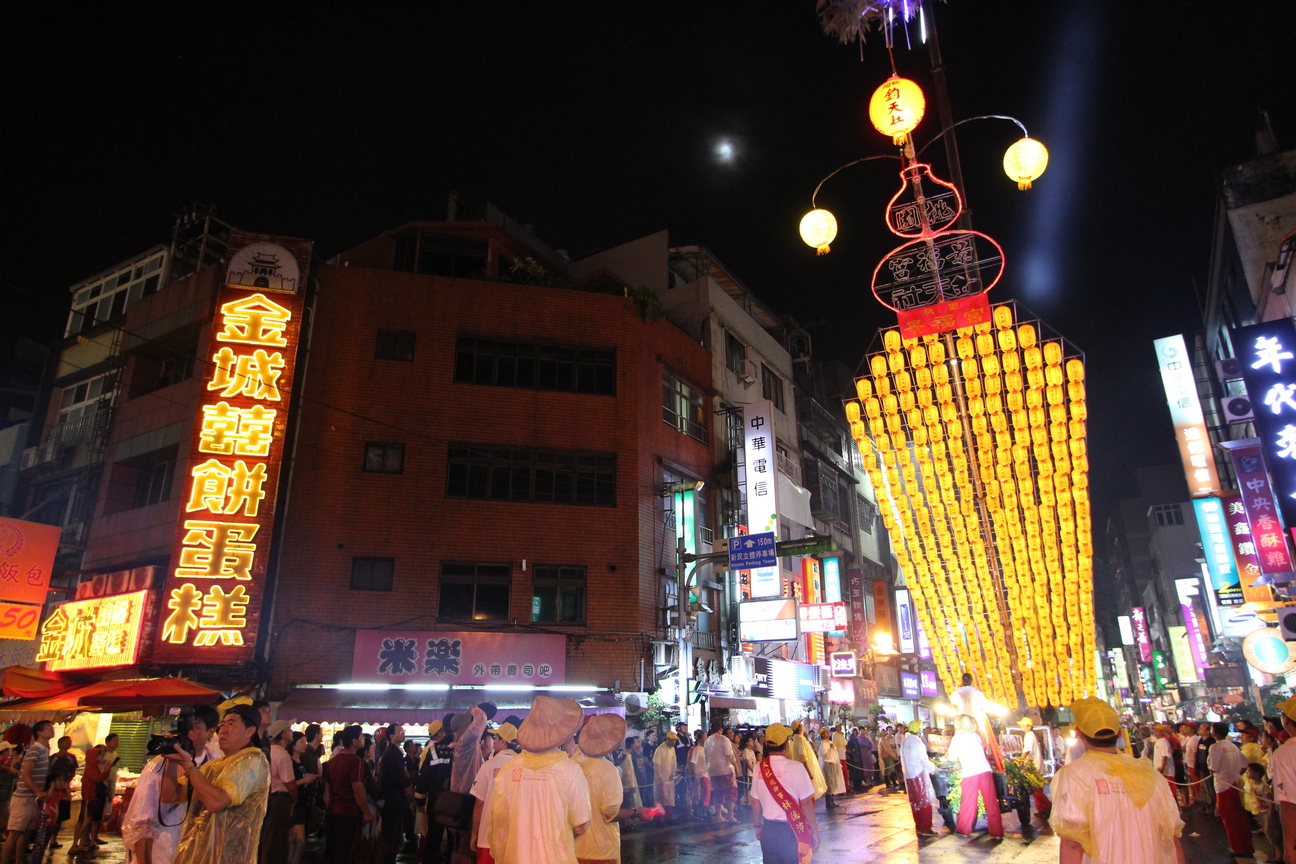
(1109, 806)
(799, 749)
(229, 795)
(783, 808)
(1228, 764)
(917, 771)
(972, 702)
(664, 770)
(887, 756)
(1032, 750)
(541, 803)
(721, 777)
(503, 743)
(967, 747)
(625, 763)
(601, 844)
(830, 767)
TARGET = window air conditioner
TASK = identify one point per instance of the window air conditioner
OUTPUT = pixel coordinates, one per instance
(1237, 409)
(748, 373)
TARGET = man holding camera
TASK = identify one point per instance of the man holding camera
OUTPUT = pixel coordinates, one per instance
(153, 821)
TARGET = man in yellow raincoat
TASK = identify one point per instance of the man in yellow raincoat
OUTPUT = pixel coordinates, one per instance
(664, 770)
(800, 750)
(229, 795)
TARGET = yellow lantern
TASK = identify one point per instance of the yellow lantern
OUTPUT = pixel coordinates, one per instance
(818, 229)
(1025, 161)
(896, 108)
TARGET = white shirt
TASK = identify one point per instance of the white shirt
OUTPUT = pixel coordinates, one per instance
(1282, 769)
(1190, 750)
(968, 749)
(719, 755)
(794, 779)
(970, 701)
(913, 756)
(1031, 749)
(535, 810)
(1226, 761)
(482, 786)
(1087, 797)
(1163, 757)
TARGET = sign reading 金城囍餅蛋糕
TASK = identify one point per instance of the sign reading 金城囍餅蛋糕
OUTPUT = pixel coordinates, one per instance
(443, 657)
(211, 602)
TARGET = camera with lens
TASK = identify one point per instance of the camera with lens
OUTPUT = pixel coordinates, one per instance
(178, 738)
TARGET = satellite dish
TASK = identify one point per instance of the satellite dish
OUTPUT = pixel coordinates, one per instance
(635, 704)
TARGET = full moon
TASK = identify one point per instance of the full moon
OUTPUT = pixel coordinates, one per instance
(725, 151)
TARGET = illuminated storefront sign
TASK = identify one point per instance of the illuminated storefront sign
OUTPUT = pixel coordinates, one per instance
(1183, 657)
(27, 551)
(1189, 592)
(761, 472)
(905, 621)
(92, 634)
(832, 580)
(18, 620)
(930, 683)
(1186, 413)
(910, 688)
(844, 664)
(438, 656)
(859, 623)
(1245, 553)
(768, 620)
(819, 618)
(1126, 629)
(823, 621)
(212, 598)
(1120, 671)
(1138, 617)
(1263, 507)
(775, 679)
(841, 691)
(1218, 550)
(1267, 355)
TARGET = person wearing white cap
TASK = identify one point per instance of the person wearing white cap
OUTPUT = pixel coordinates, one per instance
(664, 771)
(503, 740)
(541, 804)
(278, 818)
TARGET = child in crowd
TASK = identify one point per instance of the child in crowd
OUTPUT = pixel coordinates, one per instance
(56, 791)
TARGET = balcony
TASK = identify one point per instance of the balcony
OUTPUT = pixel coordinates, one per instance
(83, 430)
(789, 468)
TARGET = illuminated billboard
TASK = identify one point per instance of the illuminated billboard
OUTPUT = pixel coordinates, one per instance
(768, 620)
(1186, 414)
(823, 617)
(94, 633)
(212, 597)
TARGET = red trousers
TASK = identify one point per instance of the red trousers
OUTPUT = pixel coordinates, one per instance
(1228, 803)
(922, 812)
(1042, 802)
(983, 784)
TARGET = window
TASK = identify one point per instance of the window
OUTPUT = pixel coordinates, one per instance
(867, 513)
(395, 345)
(1168, 514)
(380, 458)
(530, 365)
(558, 594)
(463, 257)
(153, 483)
(772, 386)
(107, 297)
(683, 407)
(475, 592)
(372, 574)
(735, 352)
(173, 370)
(542, 476)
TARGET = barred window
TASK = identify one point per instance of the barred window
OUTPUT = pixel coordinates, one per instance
(735, 352)
(394, 345)
(543, 476)
(474, 592)
(867, 511)
(558, 594)
(683, 407)
(772, 386)
(383, 458)
(535, 366)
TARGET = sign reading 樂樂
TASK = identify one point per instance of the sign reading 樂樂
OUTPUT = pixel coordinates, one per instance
(752, 552)
(27, 551)
(212, 595)
(466, 658)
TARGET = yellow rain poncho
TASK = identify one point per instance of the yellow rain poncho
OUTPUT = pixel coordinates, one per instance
(799, 748)
(664, 773)
(231, 835)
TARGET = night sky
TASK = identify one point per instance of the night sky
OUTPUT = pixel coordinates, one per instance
(602, 122)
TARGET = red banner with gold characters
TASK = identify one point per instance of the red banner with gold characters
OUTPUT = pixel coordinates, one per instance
(941, 317)
(27, 551)
(211, 604)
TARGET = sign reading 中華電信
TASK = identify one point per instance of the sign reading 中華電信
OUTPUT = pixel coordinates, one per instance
(753, 551)
(1186, 414)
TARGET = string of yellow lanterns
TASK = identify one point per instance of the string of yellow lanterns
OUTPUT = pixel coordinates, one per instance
(975, 442)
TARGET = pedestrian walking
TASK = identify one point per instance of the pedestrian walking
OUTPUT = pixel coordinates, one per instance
(783, 808)
(1109, 806)
(967, 747)
(918, 770)
(24, 806)
(541, 804)
(1032, 750)
(1228, 765)
(721, 780)
(601, 844)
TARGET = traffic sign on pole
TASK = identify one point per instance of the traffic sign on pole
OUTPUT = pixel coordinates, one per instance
(753, 551)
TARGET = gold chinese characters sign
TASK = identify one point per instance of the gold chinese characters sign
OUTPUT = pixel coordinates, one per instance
(212, 600)
(975, 443)
(94, 633)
